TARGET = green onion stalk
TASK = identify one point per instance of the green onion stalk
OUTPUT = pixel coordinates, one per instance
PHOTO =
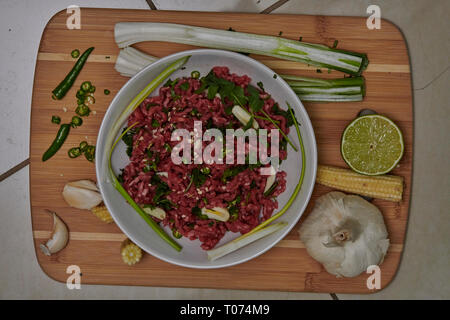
(111, 144)
(128, 33)
(327, 90)
(130, 61)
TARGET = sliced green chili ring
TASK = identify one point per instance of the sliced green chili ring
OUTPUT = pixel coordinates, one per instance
(195, 74)
(89, 153)
(86, 86)
(75, 53)
(205, 170)
(61, 136)
(82, 110)
(106, 91)
(56, 119)
(89, 100)
(80, 94)
(83, 146)
(74, 152)
(60, 91)
(92, 89)
(176, 234)
(76, 121)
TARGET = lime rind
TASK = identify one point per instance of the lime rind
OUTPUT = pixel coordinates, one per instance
(373, 159)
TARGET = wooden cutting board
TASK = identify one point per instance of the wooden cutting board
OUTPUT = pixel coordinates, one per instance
(94, 246)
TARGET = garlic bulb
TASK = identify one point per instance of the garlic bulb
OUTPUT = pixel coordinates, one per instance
(345, 233)
(59, 237)
(82, 194)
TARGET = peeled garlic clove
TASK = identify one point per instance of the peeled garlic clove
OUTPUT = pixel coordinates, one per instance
(270, 179)
(85, 184)
(82, 194)
(58, 239)
(243, 116)
(163, 174)
(156, 212)
(217, 213)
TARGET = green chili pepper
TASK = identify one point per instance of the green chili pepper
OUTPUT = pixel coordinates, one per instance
(60, 91)
(83, 146)
(61, 136)
(74, 152)
(56, 119)
(86, 86)
(82, 110)
(89, 153)
(76, 121)
(176, 234)
(106, 91)
(195, 74)
(92, 89)
(75, 53)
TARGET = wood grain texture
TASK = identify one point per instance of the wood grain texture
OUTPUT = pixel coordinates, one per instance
(94, 246)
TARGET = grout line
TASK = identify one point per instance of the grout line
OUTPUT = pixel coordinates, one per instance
(273, 7)
(14, 169)
(434, 79)
(334, 296)
(151, 5)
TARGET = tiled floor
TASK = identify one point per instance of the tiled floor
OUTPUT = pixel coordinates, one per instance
(424, 271)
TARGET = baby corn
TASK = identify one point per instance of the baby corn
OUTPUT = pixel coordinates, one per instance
(102, 213)
(386, 187)
(131, 253)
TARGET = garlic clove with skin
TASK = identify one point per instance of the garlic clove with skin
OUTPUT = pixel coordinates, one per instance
(58, 239)
(345, 233)
(82, 194)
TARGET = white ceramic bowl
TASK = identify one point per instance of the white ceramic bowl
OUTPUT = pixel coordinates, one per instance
(192, 255)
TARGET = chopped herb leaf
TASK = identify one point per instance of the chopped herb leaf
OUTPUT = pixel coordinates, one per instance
(128, 139)
(254, 101)
(285, 113)
(155, 123)
(184, 86)
(198, 212)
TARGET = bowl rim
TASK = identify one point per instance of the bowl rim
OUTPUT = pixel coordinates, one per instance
(305, 124)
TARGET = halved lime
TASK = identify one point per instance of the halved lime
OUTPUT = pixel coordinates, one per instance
(372, 145)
